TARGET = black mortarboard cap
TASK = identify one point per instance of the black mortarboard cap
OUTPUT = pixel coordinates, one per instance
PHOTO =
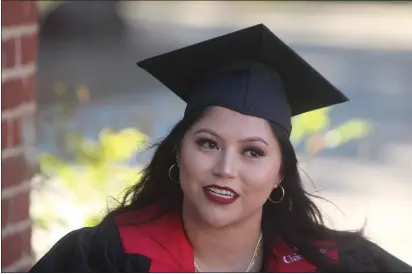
(250, 71)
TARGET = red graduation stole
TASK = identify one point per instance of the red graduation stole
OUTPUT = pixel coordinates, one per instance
(165, 243)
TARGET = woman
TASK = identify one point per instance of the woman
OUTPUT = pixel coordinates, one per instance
(222, 192)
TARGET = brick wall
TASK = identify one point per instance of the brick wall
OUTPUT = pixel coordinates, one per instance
(18, 62)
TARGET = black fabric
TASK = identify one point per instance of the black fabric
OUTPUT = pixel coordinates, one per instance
(91, 249)
(365, 256)
(98, 249)
(250, 71)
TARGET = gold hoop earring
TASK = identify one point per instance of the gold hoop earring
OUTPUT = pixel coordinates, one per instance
(280, 200)
(170, 177)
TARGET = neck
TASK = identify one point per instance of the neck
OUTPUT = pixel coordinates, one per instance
(223, 249)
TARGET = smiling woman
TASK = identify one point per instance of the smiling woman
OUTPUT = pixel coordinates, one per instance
(222, 191)
(228, 157)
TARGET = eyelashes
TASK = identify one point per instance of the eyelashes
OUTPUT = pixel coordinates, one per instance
(254, 152)
(207, 143)
(249, 151)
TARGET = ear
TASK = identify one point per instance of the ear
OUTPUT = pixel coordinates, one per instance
(178, 159)
(278, 181)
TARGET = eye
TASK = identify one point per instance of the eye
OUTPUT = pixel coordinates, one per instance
(207, 143)
(253, 152)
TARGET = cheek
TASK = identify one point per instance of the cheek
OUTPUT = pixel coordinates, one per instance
(194, 165)
(259, 179)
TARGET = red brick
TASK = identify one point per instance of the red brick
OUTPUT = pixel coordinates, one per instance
(8, 53)
(12, 93)
(14, 247)
(5, 212)
(15, 132)
(18, 91)
(18, 12)
(19, 205)
(4, 134)
(28, 48)
(13, 171)
(15, 209)
(11, 133)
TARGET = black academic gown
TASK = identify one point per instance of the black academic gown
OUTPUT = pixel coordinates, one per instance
(161, 246)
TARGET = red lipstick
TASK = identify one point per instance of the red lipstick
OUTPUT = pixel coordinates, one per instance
(219, 194)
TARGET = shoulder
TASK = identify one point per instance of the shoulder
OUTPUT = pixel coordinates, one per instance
(73, 247)
(89, 249)
(362, 255)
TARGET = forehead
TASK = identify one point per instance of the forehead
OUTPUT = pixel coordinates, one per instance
(230, 123)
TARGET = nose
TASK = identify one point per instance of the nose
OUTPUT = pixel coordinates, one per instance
(225, 166)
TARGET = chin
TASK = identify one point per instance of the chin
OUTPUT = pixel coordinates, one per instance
(215, 216)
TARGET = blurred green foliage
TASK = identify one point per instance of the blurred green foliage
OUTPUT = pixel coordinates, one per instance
(95, 161)
(90, 171)
(313, 129)
(99, 168)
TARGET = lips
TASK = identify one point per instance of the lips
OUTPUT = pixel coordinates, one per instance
(220, 195)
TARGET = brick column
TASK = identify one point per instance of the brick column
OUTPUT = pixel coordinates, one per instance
(18, 62)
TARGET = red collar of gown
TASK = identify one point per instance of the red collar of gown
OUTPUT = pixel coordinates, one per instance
(164, 242)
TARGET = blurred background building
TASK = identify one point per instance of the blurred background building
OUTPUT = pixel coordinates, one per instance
(96, 111)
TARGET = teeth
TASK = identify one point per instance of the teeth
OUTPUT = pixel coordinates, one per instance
(221, 192)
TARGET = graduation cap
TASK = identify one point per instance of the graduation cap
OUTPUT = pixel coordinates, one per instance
(250, 71)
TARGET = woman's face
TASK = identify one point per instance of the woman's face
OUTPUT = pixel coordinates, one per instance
(229, 164)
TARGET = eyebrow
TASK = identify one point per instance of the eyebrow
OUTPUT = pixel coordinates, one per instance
(250, 139)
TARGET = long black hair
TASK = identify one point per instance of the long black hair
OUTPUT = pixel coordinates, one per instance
(296, 219)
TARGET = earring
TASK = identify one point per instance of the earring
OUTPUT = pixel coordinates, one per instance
(170, 177)
(280, 200)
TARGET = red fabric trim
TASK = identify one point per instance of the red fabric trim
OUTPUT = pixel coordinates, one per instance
(290, 261)
(165, 243)
(162, 240)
